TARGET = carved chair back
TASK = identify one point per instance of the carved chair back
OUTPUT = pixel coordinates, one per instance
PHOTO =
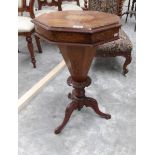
(109, 6)
(26, 6)
(42, 3)
(53, 3)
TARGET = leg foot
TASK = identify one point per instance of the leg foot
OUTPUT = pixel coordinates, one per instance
(38, 44)
(90, 102)
(127, 62)
(30, 47)
(69, 110)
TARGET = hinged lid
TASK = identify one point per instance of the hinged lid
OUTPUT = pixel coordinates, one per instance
(77, 21)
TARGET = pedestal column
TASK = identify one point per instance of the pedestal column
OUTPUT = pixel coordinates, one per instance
(78, 60)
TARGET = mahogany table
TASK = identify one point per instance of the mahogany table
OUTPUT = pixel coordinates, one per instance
(77, 34)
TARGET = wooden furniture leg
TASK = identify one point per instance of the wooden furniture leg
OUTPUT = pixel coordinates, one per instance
(78, 3)
(38, 44)
(92, 103)
(132, 7)
(127, 11)
(39, 5)
(128, 59)
(30, 47)
(69, 110)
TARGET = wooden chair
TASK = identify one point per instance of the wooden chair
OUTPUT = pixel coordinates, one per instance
(61, 4)
(26, 27)
(131, 11)
(120, 47)
(49, 4)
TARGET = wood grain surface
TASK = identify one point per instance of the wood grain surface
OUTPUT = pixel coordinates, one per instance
(74, 20)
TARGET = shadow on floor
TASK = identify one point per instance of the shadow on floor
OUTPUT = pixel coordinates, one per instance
(108, 64)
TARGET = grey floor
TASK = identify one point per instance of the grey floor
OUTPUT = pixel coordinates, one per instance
(86, 133)
(27, 75)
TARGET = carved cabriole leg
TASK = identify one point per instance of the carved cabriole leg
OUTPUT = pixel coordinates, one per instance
(30, 47)
(38, 44)
(126, 63)
(70, 108)
(92, 103)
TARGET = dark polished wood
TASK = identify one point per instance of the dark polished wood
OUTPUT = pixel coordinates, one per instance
(38, 44)
(28, 35)
(30, 47)
(77, 34)
(78, 27)
(77, 21)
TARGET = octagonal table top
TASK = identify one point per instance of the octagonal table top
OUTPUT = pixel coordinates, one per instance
(83, 21)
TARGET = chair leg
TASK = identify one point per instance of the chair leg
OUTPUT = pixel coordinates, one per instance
(78, 3)
(127, 11)
(38, 44)
(135, 28)
(126, 63)
(39, 5)
(30, 47)
(132, 7)
(135, 17)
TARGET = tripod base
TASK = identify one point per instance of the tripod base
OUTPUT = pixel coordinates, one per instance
(79, 100)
